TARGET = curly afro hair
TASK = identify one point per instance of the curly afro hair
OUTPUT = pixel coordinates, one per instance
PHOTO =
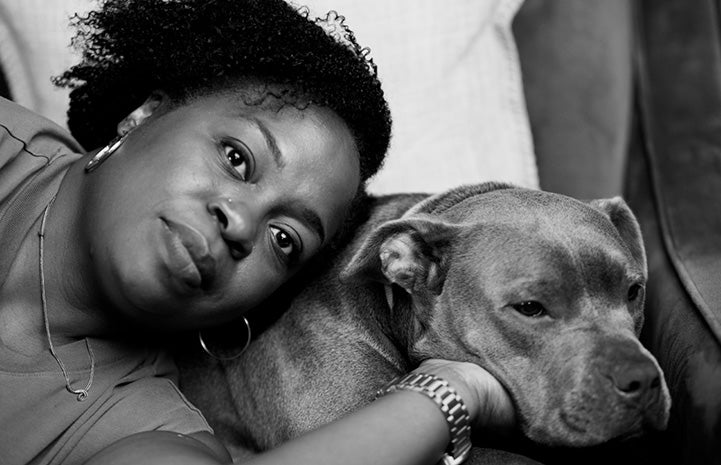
(193, 47)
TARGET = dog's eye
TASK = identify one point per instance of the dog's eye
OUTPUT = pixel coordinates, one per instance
(530, 308)
(633, 292)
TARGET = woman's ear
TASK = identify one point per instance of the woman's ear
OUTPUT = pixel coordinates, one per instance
(155, 100)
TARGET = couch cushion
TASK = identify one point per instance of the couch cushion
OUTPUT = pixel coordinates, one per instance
(35, 46)
(680, 100)
(451, 74)
(680, 83)
(576, 58)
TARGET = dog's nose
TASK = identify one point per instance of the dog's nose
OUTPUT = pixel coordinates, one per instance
(636, 379)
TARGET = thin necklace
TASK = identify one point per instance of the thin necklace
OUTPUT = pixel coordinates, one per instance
(81, 393)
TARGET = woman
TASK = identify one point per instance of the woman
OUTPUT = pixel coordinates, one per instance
(240, 134)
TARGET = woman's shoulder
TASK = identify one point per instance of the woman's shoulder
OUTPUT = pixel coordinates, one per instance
(30, 143)
(23, 131)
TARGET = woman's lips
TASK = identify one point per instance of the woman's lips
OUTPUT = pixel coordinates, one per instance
(189, 254)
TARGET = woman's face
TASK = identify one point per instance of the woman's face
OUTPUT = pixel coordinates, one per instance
(208, 207)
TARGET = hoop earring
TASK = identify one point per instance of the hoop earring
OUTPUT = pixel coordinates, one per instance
(223, 356)
(104, 153)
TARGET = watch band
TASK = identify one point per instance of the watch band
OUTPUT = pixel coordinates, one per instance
(450, 403)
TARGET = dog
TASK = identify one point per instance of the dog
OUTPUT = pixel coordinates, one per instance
(544, 291)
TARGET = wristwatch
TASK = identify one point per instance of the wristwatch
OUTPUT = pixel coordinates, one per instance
(450, 403)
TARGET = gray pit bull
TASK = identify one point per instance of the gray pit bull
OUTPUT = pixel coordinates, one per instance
(544, 291)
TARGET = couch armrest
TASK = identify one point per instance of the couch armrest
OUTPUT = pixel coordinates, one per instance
(674, 185)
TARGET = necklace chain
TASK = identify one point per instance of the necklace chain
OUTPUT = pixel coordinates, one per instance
(81, 394)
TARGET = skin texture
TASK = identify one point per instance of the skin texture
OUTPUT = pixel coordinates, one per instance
(173, 236)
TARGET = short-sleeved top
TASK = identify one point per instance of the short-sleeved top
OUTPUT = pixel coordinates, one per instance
(134, 387)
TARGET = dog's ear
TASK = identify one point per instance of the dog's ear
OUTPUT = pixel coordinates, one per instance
(408, 252)
(625, 222)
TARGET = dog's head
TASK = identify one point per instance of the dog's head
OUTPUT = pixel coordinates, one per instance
(544, 291)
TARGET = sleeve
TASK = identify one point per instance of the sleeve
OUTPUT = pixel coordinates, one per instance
(148, 404)
(33, 152)
(28, 142)
(39, 134)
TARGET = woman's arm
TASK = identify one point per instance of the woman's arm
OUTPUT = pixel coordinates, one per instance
(402, 428)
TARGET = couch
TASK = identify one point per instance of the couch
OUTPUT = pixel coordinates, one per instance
(669, 172)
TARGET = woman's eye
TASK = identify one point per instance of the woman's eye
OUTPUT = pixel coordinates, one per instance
(530, 308)
(239, 159)
(633, 292)
(285, 242)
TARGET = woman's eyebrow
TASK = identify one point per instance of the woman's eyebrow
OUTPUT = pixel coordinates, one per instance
(270, 142)
(313, 220)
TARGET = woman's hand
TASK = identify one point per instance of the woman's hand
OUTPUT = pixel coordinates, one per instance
(487, 401)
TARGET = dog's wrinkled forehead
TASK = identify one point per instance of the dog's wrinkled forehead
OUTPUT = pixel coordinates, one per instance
(504, 203)
(440, 203)
(501, 203)
(535, 214)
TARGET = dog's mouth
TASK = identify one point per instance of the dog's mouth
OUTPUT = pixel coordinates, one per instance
(574, 422)
(578, 429)
(588, 419)
(627, 435)
(584, 426)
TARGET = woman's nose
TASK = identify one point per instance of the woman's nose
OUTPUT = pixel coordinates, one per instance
(238, 225)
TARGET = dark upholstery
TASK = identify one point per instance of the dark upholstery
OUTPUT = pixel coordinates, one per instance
(576, 80)
(4, 87)
(674, 184)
